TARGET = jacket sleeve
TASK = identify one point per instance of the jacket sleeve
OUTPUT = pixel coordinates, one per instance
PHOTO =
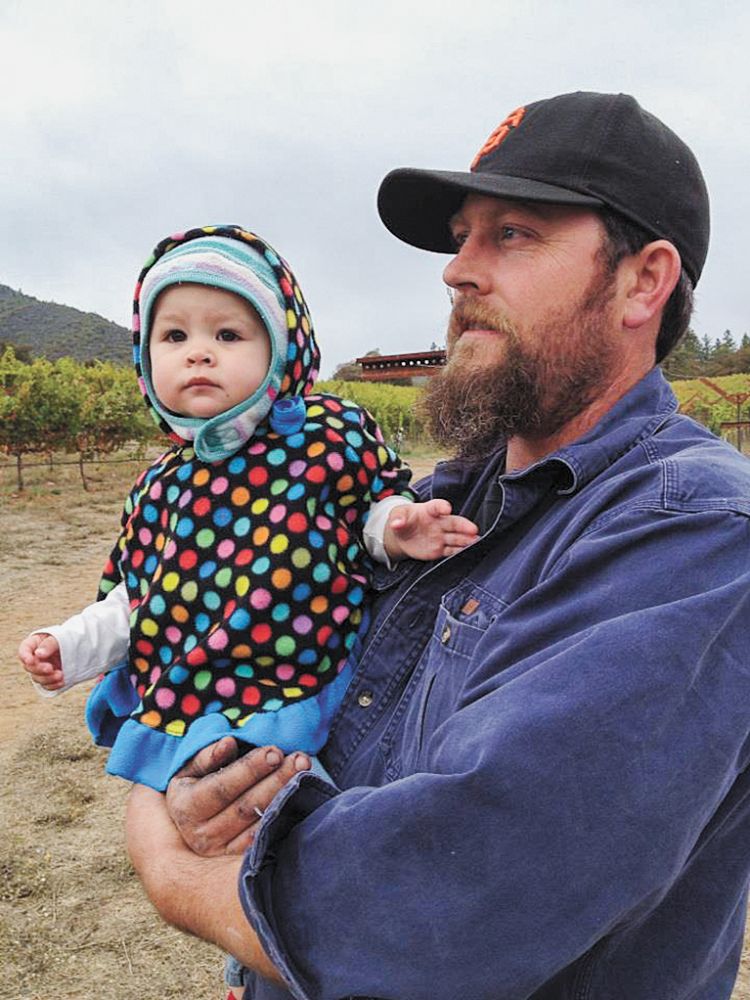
(602, 721)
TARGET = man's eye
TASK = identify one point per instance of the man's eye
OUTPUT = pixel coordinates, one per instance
(459, 239)
(175, 336)
(508, 232)
(227, 335)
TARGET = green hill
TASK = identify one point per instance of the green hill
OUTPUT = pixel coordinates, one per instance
(53, 331)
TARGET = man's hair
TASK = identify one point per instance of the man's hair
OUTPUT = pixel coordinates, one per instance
(624, 238)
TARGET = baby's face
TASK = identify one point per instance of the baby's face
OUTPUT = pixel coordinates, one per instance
(209, 350)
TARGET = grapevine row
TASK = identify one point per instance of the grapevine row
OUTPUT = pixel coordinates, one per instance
(94, 408)
(90, 409)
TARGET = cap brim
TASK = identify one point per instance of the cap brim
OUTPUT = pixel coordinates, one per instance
(417, 205)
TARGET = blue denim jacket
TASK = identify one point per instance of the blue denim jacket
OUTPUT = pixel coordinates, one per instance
(543, 756)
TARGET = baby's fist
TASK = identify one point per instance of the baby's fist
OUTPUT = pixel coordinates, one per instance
(40, 655)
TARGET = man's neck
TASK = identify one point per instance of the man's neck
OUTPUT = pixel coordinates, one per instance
(523, 451)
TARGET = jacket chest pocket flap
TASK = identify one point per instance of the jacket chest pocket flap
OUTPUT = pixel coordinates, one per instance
(435, 688)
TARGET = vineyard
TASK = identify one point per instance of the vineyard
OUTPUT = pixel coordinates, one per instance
(91, 409)
(393, 406)
(721, 400)
(80, 408)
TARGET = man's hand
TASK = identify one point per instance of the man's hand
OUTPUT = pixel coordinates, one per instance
(427, 531)
(40, 655)
(216, 800)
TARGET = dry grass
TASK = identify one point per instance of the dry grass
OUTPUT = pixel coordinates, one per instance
(74, 923)
(73, 920)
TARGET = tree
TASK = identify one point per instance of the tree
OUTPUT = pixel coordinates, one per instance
(685, 360)
(706, 348)
(349, 371)
(742, 357)
(38, 410)
(21, 351)
(68, 406)
(393, 407)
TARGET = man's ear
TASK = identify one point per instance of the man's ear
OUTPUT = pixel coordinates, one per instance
(650, 276)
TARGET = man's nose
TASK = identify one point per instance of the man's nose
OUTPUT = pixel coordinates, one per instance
(468, 271)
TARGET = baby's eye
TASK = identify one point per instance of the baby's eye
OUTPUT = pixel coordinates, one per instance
(175, 336)
(227, 336)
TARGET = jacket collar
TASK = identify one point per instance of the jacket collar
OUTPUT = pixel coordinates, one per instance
(635, 416)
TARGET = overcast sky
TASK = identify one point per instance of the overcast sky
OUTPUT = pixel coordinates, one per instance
(123, 122)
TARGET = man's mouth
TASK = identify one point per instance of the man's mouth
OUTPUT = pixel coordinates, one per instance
(478, 329)
(473, 331)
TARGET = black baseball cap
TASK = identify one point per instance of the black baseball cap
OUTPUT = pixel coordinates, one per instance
(585, 149)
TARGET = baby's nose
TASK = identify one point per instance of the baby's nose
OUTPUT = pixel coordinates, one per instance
(200, 355)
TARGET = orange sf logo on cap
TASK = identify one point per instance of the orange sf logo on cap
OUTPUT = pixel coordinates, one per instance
(496, 137)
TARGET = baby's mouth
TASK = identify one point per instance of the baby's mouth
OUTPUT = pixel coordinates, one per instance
(200, 381)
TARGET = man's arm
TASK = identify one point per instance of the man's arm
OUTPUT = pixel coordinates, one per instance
(216, 801)
(198, 895)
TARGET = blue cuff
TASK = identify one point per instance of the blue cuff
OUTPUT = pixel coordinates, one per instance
(109, 705)
(305, 793)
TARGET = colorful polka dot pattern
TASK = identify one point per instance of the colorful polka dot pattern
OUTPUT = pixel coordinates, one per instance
(303, 356)
(247, 577)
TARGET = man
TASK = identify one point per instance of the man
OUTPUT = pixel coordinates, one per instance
(543, 756)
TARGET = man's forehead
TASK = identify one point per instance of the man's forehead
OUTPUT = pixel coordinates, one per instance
(489, 207)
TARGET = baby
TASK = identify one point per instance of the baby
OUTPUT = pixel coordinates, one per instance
(236, 596)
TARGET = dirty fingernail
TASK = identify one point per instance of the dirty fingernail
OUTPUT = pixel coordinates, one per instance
(273, 758)
(301, 763)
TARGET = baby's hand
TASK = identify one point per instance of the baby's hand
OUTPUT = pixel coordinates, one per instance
(40, 655)
(427, 531)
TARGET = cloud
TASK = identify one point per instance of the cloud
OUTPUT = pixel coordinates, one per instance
(131, 121)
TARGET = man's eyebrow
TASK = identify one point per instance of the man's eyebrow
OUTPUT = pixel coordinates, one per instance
(457, 218)
(539, 209)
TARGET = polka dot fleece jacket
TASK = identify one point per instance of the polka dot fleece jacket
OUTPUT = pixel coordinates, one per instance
(241, 549)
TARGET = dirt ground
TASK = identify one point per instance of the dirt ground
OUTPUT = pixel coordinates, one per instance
(73, 921)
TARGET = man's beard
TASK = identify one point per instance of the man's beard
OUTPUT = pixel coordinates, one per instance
(533, 388)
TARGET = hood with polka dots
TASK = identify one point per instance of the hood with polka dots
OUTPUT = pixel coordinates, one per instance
(233, 259)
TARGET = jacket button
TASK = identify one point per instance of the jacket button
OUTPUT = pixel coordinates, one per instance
(446, 634)
(364, 699)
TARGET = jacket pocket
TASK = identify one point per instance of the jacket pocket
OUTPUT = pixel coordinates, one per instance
(435, 687)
